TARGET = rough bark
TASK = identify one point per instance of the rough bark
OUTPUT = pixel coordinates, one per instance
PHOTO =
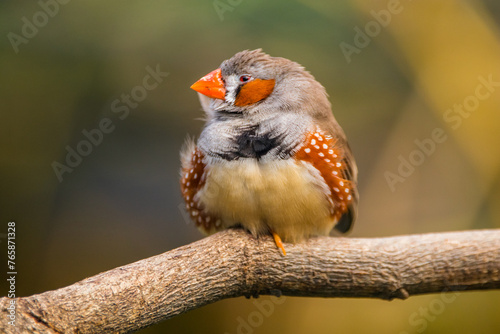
(232, 263)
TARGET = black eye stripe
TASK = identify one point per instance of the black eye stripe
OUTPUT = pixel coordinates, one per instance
(238, 88)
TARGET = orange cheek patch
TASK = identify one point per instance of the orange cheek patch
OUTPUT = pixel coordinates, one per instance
(320, 151)
(254, 91)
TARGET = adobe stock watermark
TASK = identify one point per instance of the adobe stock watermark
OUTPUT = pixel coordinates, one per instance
(31, 27)
(453, 116)
(11, 272)
(372, 29)
(222, 6)
(121, 107)
(420, 319)
(264, 308)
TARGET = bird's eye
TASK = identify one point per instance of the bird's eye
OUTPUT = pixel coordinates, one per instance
(245, 78)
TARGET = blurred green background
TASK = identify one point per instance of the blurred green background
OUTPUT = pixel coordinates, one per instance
(405, 75)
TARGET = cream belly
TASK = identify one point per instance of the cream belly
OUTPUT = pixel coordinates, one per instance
(287, 197)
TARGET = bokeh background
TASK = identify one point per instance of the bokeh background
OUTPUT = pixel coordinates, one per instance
(121, 203)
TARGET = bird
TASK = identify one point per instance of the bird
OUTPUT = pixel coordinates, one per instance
(271, 157)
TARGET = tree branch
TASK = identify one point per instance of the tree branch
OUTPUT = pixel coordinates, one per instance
(232, 263)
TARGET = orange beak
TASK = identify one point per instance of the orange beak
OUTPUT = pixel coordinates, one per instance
(211, 85)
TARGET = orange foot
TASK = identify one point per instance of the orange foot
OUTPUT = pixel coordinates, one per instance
(278, 242)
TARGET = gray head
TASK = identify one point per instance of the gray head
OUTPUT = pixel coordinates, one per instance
(252, 82)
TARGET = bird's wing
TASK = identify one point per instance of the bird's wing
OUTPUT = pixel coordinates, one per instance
(334, 160)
